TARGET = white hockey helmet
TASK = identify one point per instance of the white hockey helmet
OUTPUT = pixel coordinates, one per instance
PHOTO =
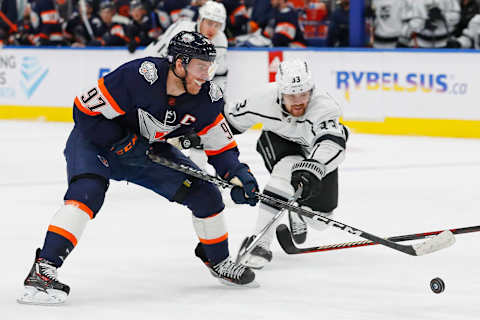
(214, 11)
(294, 77)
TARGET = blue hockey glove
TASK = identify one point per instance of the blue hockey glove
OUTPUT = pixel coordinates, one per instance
(131, 150)
(245, 194)
(308, 173)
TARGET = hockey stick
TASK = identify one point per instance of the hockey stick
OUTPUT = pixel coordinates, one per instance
(285, 240)
(249, 243)
(82, 6)
(443, 240)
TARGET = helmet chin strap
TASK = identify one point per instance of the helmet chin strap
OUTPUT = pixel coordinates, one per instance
(184, 81)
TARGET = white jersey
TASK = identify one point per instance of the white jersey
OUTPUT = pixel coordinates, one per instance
(388, 22)
(433, 34)
(159, 48)
(470, 37)
(318, 131)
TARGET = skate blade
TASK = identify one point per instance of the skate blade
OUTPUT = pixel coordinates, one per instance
(253, 284)
(33, 296)
(254, 262)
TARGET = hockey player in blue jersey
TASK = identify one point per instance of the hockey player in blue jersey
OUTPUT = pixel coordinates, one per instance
(128, 113)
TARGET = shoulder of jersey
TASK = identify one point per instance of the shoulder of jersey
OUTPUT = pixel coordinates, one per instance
(220, 40)
(475, 20)
(184, 24)
(323, 105)
(148, 69)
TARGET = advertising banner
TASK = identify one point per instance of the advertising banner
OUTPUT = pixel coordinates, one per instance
(374, 87)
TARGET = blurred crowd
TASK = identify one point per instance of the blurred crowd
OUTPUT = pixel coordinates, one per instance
(250, 23)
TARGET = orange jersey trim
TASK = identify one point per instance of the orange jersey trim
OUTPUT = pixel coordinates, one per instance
(109, 97)
(210, 126)
(229, 146)
(80, 206)
(214, 241)
(11, 25)
(64, 233)
(80, 107)
(236, 12)
(299, 44)
(285, 34)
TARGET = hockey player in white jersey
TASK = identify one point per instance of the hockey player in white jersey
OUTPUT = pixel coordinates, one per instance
(432, 22)
(302, 142)
(388, 16)
(470, 37)
(211, 23)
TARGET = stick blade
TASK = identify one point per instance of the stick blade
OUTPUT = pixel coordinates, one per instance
(443, 240)
(285, 239)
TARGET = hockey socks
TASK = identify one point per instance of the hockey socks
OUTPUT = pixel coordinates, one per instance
(65, 230)
(212, 233)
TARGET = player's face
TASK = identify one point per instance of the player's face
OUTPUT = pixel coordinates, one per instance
(198, 71)
(106, 15)
(137, 14)
(209, 28)
(296, 104)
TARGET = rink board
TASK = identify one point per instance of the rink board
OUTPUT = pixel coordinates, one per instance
(421, 92)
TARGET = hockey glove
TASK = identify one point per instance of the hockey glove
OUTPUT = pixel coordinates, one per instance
(453, 43)
(131, 150)
(308, 173)
(245, 193)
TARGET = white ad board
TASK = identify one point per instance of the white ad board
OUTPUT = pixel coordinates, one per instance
(371, 85)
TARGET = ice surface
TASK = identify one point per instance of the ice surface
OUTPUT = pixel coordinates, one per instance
(135, 260)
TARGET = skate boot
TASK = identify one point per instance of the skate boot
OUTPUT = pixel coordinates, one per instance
(42, 286)
(227, 271)
(258, 257)
(298, 227)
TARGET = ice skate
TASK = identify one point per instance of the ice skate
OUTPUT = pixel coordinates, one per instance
(42, 286)
(298, 227)
(229, 272)
(259, 256)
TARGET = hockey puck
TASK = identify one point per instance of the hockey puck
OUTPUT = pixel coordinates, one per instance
(437, 285)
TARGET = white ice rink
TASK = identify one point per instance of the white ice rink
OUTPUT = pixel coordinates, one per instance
(135, 260)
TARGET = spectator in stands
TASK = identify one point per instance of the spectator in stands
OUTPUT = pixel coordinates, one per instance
(173, 8)
(262, 12)
(432, 22)
(283, 29)
(387, 17)
(470, 38)
(10, 15)
(46, 24)
(112, 33)
(78, 31)
(145, 28)
(237, 18)
(338, 32)
(468, 9)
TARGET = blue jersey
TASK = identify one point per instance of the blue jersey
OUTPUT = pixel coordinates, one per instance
(133, 98)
